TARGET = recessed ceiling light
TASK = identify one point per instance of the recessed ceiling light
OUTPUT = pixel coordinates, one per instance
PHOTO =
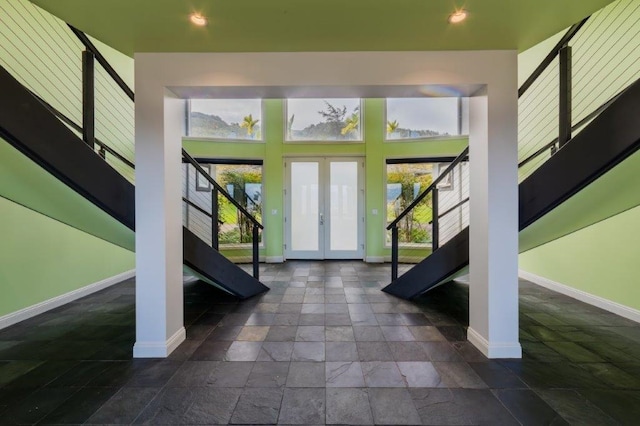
(458, 16)
(198, 19)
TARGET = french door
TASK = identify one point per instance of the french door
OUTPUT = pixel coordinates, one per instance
(324, 200)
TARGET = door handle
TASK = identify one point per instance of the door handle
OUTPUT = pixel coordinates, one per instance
(321, 219)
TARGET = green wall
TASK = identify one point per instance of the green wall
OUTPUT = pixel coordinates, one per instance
(594, 234)
(41, 258)
(274, 150)
(601, 260)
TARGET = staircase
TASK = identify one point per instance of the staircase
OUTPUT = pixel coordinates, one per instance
(552, 173)
(29, 124)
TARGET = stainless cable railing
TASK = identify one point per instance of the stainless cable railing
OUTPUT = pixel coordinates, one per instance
(56, 62)
(594, 61)
(589, 67)
(210, 212)
(433, 191)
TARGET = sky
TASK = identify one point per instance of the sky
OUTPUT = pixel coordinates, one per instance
(439, 114)
(230, 110)
(306, 110)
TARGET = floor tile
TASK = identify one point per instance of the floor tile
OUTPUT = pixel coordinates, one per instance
(374, 351)
(243, 351)
(348, 406)
(303, 407)
(258, 406)
(268, 375)
(346, 374)
(308, 351)
(124, 407)
(382, 375)
(339, 334)
(306, 375)
(420, 375)
(459, 375)
(310, 334)
(276, 351)
(393, 407)
(341, 351)
(281, 334)
(528, 408)
(460, 407)
(253, 333)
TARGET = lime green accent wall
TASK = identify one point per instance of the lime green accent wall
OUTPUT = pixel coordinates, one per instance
(28, 184)
(601, 260)
(41, 258)
(375, 150)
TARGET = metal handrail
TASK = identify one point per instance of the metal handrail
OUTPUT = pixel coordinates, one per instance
(458, 159)
(571, 32)
(103, 61)
(220, 189)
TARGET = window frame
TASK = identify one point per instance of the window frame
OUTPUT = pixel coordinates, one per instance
(285, 118)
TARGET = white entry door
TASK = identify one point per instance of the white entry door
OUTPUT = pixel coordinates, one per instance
(324, 200)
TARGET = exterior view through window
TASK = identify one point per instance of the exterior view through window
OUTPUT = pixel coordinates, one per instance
(404, 183)
(420, 118)
(323, 120)
(243, 182)
(239, 119)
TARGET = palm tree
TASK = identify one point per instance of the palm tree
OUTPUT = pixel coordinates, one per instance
(351, 124)
(249, 123)
(392, 126)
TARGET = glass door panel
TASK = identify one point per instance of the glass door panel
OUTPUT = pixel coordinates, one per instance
(343, 201)
(324, 205)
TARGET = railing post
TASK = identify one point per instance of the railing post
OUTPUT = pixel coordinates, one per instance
(564, 110)
(88, 99)
(256, 258)
(435, 226)
(394, 253)
(215, 237)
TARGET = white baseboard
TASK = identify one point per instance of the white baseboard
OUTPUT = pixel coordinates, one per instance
(374, 259)
(583, 296)
(47, 305)
(159, 349)
(274, 259)
(495, 349)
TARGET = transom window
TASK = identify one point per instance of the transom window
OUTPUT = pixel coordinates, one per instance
(323, 120)
(421, 118)
(235, 119)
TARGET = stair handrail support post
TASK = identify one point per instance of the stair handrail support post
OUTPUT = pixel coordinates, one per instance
(394, 253)
(565, 96)
(215, 234)
(435, 227)
(88, 98)
(256, 253)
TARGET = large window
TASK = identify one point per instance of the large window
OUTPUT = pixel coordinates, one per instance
(323, 120)
(225, 119)
(420, 118)
(405, 181)
(243, 182)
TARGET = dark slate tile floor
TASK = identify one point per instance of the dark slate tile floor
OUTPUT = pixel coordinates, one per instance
(324, 346)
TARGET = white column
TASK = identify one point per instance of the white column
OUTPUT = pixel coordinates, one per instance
(493, 224)
(159, 291)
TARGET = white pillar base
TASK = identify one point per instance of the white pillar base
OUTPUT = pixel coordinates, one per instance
(159, 349)
(494, 349)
